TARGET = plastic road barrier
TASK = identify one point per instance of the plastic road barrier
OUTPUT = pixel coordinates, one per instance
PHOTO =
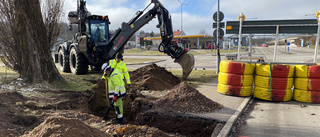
(227, 66)
(307, 84)
(277, 83)
(304, 71)
(241, 91)
(235, 80)
(306, 96)
(278, 70)
(274, 95)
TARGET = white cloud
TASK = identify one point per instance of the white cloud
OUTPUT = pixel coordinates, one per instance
(123, 10)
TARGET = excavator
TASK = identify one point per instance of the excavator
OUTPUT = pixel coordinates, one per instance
(176, 52)
(90, 49)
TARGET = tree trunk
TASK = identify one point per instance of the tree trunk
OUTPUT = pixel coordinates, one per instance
(39, 34)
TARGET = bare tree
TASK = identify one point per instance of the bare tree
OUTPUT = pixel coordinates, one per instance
(29, 34)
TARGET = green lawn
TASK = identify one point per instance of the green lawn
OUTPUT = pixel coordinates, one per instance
(137, 51)
(138, 60)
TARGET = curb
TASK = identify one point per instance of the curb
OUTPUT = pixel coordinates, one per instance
(227, 127)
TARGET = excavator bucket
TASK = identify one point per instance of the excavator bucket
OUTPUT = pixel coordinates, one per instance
(186, 61)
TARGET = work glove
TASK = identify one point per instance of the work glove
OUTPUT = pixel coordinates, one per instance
(114, 99)
(103, 80)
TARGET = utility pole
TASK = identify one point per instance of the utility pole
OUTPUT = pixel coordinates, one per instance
(181, 22)
(317, 41)
(218, 28)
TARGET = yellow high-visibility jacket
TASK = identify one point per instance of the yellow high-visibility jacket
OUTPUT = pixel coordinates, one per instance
(116, 86)
(122, 67)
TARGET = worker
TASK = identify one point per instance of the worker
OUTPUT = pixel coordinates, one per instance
(118, 64)
(116, 89)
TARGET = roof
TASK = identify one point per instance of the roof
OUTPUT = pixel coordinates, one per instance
(176, 33)
(175, 37)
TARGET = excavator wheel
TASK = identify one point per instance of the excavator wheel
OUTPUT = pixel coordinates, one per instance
(186, 61)
(78, 64)
(63, 61)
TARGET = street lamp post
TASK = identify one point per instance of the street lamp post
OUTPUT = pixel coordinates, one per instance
(181, 21)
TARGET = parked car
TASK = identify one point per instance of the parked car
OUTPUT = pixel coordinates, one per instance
(264, 45)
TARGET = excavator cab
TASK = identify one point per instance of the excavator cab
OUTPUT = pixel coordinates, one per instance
(97, 28)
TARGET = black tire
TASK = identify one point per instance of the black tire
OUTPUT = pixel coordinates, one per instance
(63, 61)
(78, 63)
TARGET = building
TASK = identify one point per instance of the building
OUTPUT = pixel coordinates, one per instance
(188, 41)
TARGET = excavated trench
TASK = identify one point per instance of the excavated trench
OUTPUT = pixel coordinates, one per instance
(173, 113)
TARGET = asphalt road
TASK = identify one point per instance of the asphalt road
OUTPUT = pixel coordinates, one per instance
(282, 119)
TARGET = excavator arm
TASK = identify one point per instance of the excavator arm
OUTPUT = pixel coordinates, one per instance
(124, 33)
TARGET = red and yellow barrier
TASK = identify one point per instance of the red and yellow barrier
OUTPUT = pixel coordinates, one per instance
(307, 84)
(274, 95)
(304, 71)
(278, 70)
(240, 68)
(306, 96)
(241, 91)
(277, 83)
(235, 80)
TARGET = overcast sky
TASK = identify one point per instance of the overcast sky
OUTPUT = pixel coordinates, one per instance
(197, 14)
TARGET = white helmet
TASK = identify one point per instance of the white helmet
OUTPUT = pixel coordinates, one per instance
(105, 67)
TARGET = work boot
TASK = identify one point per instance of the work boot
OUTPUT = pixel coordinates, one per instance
(117, 121)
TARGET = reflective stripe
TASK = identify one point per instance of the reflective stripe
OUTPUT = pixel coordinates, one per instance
(114, 74)
(110, 96)
(120, 116)
(121, 63)
(128, 79)
(112, 91)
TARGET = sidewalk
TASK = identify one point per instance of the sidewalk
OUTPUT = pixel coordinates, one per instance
(233, 106)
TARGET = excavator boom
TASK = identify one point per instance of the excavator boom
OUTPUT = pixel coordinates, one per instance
(122, 35)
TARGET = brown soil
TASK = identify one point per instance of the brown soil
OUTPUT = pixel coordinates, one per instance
(64, 127)
(171, 122)
(19, 114)
(136, 131)
(72, 113)
(184, 98)
(153, 77)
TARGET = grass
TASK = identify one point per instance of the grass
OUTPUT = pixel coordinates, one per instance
(138, 60)
(137, 51)
(140, 51)
(313, 47)
(6, 72)
(77, 82)
(197, 77)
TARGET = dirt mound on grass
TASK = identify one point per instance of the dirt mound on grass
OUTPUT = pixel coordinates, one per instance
(64, 127)
(184, 98)
(153, 77)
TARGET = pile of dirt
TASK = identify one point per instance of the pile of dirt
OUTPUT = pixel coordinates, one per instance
(184, 98)
(64, 127)
(136, 131)
(153, 77)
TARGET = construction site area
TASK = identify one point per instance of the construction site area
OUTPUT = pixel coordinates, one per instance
(96, 83)
(171, 112)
